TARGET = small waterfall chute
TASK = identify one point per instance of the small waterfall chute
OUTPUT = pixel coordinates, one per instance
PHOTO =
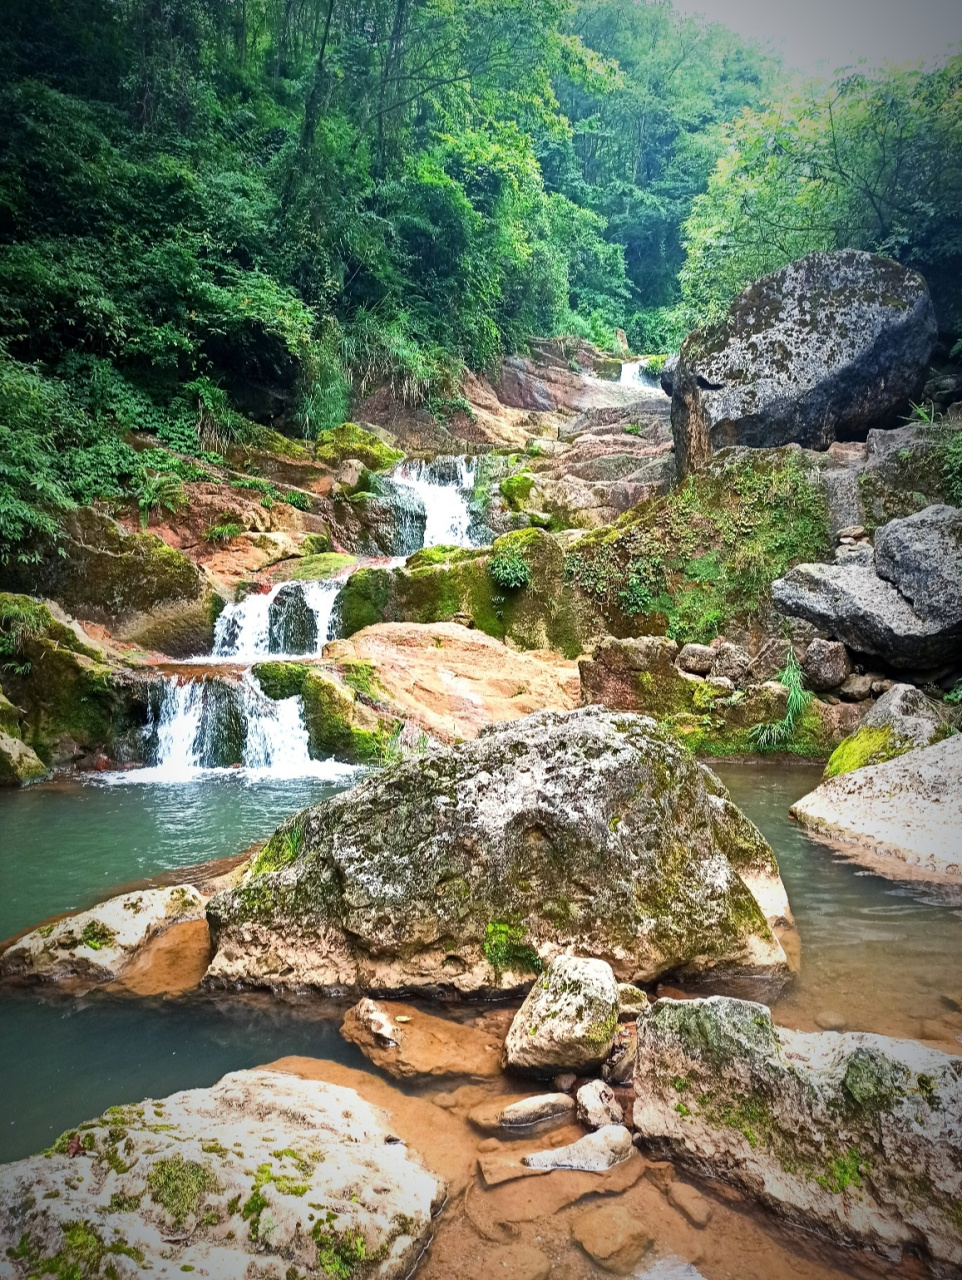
(293, 619)
(219, 725)
(444, 486)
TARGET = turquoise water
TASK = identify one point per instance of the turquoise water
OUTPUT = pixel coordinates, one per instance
(67, 845)
(875, 952)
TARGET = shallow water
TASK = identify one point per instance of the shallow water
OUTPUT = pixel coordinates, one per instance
(66, 845)
(884, 956)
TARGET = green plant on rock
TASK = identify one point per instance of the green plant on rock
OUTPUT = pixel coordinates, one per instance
(224, 532)
(179, 1186)
(509, 569)
(505, 948)
(156, 491)
(777, 734)
(97, 935)
(844, 1171)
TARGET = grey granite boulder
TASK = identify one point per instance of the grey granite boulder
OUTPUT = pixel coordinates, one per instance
(903, 605)
(830, 344)
(467, 868)
(826, 664)
(856, 1137)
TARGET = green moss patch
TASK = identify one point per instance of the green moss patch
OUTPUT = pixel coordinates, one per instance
(315, 568)
(872, 744)
(179, 1186)
(516, 489)
(351, 441)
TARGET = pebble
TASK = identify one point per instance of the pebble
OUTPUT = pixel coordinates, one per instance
(445, 1100)
(692, 1204)
(599, 1151)
(489, 1144)
(830, 1020)
(612, 1236)
(565, 1082)
(598, 1106)
(543, 1106)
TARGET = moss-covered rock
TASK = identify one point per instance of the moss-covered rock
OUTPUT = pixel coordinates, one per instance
(589, 832)
(351, 441)
(902, 719)
(338, 723)
(319, 566)
(135, 584)
(73, 700)
(567, 1022)
(18, 762)
(852, 1136)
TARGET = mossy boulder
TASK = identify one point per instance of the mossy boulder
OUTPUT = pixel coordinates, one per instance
(567, 1022)
(264, 1173)
(852, 1136)
(73, 699)
(902, 719)
(18, 762)
(832, 344)
(351, 441)
(137, 586)
(338, 723)
(465, 869)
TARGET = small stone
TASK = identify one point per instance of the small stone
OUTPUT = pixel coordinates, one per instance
(496, 1169)
(445, 1100)
(881, 686)
(856, 688)
(487, 1145)
(631, 1001)
(851, 531)
(544, 1106)
(565, 1082)
(661, 1173)
(598, 1106)
(692, 1204)
(620, 1066)
(697, 659)
(568, 1019)
(770, 660)
(830, 1020)
(599, 1151)
(731, 662)
(611, 1236)
(825, 665)
(515, 1262)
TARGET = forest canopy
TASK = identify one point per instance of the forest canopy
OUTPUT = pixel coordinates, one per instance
(214, 212)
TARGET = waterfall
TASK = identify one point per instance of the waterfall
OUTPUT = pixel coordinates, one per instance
(444, 486)
(637, 373)
(212, 724)
(291, 620)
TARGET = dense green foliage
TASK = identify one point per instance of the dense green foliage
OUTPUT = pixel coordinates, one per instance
(866, 163)
(219, 216)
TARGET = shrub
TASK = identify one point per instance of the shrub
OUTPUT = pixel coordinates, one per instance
(509, 569)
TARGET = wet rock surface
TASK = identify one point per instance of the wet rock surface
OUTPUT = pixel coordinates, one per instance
(408, 1042)
(292, 1171)
(836, 1132)
(424, 876)
(96, 946)
(906, 812)
(778, 369)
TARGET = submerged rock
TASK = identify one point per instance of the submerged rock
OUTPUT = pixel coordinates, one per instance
(903, 605)
(595, 1153)
(97, 945)
(297, 1173)
(905, 811)
(568, 1020)
(830, 345)
(468, 867)
(902, 720)
(857, 1137)
(407, 1042)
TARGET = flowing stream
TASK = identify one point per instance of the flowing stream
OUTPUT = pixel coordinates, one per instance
(204, 724)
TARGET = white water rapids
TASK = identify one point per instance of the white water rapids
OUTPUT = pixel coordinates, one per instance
(215, 725)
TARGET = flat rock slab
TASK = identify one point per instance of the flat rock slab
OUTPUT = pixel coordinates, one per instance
(907, 811)
(692, 1203)
(420, 1044)
(531, 1199)
(612, 1236)
(295, 1172)
(97, 946)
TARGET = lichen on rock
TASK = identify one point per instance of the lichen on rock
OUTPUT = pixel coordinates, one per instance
(585, 831)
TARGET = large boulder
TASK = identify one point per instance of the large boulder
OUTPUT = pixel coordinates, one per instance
(824, 348)
(18, 762)
(264, 1173)
(568, 1020)
(905, 811)
(467, 868)
(902, 720)
(904, 604)
(97, 945)
(857, 1137)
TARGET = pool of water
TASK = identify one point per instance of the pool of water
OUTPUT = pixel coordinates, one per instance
(883, 956)
(67, 845)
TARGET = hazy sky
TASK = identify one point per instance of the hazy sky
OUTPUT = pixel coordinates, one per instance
(826, 34)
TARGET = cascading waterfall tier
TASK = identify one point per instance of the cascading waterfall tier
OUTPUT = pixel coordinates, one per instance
(214, 724)
(291, 620)
(445, 486)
